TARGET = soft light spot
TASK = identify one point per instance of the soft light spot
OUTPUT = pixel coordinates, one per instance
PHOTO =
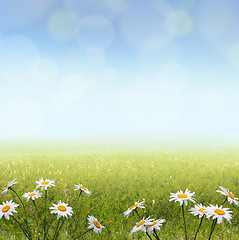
(6, 208)
(173, 77)
(95, 31)
(17, 58)
(45, 71)
(233, 56)
(62, 25)
(143, 28)
(22, 117)
(178, 23)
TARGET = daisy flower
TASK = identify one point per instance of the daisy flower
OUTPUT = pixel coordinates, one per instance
(199, 210)
(130, 209)
(6, 209)
(230, 197)
(45, 184)
(182, 197)
(32, 195)
(141, 225)
(155, 225)
(94, 224)
(219, 213)
(61, 209)
(9, 184)
(80, 187)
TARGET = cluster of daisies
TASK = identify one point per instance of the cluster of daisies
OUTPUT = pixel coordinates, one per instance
(215, 212)
(61, 209)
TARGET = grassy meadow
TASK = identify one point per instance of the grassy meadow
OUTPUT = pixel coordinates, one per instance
(118, 175)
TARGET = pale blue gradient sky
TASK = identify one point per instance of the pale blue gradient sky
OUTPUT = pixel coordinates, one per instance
(75, 68)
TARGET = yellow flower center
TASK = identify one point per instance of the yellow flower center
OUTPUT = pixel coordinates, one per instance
(6, 208)
(83, 188)
(96, 224)
(230, 195)
(6, 187)
(135, 205)
(150, 225)
(62, 208)
(219, 212)
(182, 195)
(140, 223)
(31, 194)
(202, 210)
(44, 183)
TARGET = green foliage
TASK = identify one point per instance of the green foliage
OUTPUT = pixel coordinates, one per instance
(117, 177)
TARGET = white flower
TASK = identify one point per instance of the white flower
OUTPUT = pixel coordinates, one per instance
(94, 224)
(199, 210)
(130, 209)
(182, 197)
(32, 195)
(9, 184)
(219, 213)
(61, 209)
(155, 225)
(80, 187)
(45, 184)
(7, 209)
(230, 197)
(141, 225)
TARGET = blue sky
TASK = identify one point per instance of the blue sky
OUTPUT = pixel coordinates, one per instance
(76, 68)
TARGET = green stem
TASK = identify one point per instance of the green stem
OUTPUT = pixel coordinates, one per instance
(224, 201)
(77, 199)
(212, 228)
(36, 208)
(24, 231)
(185, 227)
(56, 228)
(199, 227)
(148, 235)
(83, 234)
(156, 234)
(45, 215)
(24, 208)
(137, 212)
(60, 229)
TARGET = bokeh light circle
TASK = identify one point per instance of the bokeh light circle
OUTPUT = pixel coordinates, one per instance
(178, 23)
(95, 31)
(173, 77)
(148, 109)
(22, 117)
(144, 29)
(62, 25)
(18, 55)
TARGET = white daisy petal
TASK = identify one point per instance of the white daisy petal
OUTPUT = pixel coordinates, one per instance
(95, 225)
(61, 209)
(7, 209)
(44, 184)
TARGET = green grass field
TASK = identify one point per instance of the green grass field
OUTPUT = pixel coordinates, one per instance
(118, 175)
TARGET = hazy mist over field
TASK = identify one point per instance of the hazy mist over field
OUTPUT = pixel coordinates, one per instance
(119, 68)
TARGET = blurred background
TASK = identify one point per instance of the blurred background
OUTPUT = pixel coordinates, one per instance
(77, 68)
